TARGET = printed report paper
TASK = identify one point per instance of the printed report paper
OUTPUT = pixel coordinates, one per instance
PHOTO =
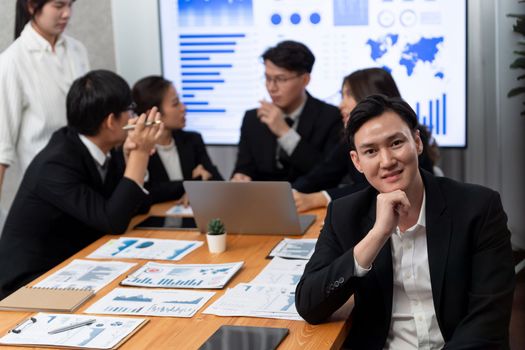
(104, 333)
(151, 302)
(145, 248)
(180, 210)
(85, 274)
(295, 248)
(155, 274)
(284, 272)
(253, 300)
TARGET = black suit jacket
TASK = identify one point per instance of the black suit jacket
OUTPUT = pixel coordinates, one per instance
(469, 256)
(319, 127)
(61, 207)
(329, 174)
(192, 152)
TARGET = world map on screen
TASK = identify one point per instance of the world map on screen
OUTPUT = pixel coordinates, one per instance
(408, 54)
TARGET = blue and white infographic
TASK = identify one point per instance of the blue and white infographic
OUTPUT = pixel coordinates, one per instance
(211, 50)
(156, 302)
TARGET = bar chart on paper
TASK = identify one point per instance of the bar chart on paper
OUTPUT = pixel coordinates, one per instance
(183, 275)
(159, 302)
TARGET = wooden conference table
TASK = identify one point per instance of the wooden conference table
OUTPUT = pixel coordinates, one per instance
(190, 333)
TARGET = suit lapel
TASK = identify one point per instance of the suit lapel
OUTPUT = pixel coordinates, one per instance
(307, 117)
(382, 264)
(185, 154)
(157, 172)
(89, 163)
(439, 230)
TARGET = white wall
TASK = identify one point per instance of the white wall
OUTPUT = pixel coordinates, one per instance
(137, 44)
(91, 23)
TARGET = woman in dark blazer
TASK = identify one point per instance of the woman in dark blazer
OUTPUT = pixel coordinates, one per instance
(180, 155)
(321, 184)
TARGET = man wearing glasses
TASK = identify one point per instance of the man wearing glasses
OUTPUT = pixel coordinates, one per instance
(285, 138)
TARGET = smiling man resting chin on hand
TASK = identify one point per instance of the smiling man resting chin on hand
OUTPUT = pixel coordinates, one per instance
(428, 259)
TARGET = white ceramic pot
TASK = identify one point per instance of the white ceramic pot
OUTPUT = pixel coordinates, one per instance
(216, 243)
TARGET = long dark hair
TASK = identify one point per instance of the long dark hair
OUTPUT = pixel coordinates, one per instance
(370, 81)
(149, 92)
(23, 15)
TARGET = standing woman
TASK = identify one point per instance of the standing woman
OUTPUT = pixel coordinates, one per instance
(36, 71)
(180, 155)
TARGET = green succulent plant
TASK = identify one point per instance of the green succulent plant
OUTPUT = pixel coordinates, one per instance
(216, 227)
(519, 62)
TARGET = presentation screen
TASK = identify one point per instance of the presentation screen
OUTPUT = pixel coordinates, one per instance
(211, 50)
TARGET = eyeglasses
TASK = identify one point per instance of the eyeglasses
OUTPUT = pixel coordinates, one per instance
(279, 80)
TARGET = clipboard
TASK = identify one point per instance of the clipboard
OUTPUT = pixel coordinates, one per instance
(46, 299)
(24, 329)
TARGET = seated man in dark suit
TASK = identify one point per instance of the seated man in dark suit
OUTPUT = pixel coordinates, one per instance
(73, 192)
(286, 138)
(427, 259)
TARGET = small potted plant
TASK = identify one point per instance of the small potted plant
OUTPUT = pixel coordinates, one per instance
(216, 236)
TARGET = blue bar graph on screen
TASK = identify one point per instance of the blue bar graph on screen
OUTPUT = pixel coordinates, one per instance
(194, 58)
(183, 52)
(199, 77)
(199, 13)
(219, 48)
(436, 117)
(200, 73)
(196, 103)
(350, 12)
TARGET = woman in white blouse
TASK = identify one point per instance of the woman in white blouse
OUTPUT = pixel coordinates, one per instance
(36, 71)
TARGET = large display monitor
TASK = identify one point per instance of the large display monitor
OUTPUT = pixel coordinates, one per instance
(211, 51)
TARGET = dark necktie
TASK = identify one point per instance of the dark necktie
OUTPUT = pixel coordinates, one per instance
(283, 159)
(103, 169)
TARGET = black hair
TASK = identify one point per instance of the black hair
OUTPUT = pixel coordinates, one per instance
(291, 55)
(23, 15)
(374, 106)
(148, 92)
(365, 82)
(93, 97)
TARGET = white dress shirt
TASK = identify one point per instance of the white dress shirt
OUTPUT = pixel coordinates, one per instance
(169, 157)
(414, 323)
(291, 138)
(100, 158)
(34, 82)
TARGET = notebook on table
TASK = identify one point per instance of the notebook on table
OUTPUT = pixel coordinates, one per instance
(247, 207)
(46, 299)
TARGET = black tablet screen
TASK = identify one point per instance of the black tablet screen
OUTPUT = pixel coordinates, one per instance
(167, 223)
(241, 337)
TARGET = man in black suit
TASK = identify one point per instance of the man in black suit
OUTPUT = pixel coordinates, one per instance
(73, 192)
(286, 138)
(428, 260)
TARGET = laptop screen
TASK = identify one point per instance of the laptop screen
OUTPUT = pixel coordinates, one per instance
(246, 207)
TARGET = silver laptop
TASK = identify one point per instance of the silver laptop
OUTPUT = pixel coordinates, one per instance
(247, 207)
